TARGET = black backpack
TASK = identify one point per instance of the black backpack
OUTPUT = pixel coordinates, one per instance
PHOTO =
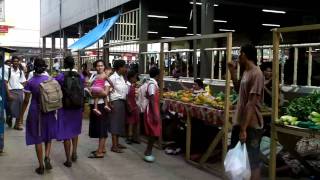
(73, 91)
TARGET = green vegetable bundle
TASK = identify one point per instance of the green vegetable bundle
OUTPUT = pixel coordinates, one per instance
(302, 107)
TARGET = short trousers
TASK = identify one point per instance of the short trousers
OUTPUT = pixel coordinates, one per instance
(253, 144)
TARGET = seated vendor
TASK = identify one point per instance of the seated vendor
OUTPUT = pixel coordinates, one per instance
(197, 87)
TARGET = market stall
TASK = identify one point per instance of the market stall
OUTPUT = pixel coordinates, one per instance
(207, 108)
(2, 94)
(297, 121)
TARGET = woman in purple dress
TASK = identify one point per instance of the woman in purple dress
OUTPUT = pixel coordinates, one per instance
(40, 127)
(70, 119)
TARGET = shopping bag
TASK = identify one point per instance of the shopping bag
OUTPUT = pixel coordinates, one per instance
(236, 163)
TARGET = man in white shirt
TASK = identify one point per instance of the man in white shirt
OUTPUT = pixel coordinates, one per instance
(32, 73)
(56, 65)
(15, 80)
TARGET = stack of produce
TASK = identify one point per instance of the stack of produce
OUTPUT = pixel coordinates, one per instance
(313, 121)
(303, 112)
(199, 99)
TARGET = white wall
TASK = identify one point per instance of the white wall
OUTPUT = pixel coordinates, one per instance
(24, 16)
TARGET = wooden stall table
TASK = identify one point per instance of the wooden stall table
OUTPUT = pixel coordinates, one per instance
(211, 116)
(288, 136)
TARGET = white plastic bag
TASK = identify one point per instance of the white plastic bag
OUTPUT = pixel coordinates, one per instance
(236, 163)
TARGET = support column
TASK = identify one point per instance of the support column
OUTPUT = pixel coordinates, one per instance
(53, 51)
(65, 44)
(80, 32)
(143, 33)
(43, 46)
(207, 16)
(194, 42)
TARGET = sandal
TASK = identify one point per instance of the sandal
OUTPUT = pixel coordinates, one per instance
(18, 127)
(93, 152)
(107, 108)
(47, 163)
(97, 112)
(95, 156)
(68, 164)
(116, 150)
(40, 170)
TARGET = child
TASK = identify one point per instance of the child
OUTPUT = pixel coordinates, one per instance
(133, 110)
(98, 90)
(152, 120)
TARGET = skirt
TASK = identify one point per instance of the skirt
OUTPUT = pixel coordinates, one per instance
(16, 104)
(118, 117)
(99, 124)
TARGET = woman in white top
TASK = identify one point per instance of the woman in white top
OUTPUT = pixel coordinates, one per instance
(118, 103)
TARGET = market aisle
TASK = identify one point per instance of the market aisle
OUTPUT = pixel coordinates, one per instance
(19, 161)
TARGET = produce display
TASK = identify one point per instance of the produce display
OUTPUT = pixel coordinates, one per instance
(205, 98)
(303, 112)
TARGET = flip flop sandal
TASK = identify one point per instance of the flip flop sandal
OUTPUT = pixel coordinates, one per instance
(40, 170)
(116, 150)
(47, 163)
(95, 156)
(97, 112)
(94, 152)
(68, 164)
(107, 108)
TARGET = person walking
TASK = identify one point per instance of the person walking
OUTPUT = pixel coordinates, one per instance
(249, 121)
(40, 127)
(99, 124)
(15, 80)
(118, 96)
(70, 116)
(133, 109)
(152, 121)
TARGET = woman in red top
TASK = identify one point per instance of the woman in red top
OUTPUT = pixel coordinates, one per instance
(133, 110)
(152, 121)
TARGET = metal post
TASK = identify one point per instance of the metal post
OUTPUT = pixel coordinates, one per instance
(53, 50)
(60, 27)
(212, 65)
(220, 65)
(194, 17)
(143, 33)
(44, 47)
(295, 66)
(98, 21)
(65, 43)
(309, 66)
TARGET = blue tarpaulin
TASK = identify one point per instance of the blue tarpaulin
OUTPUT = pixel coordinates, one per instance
(95, 34)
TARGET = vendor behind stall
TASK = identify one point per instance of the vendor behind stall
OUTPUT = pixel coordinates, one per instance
(197, 87)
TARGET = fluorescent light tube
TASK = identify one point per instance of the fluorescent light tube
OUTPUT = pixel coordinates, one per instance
(273, 11)
(271, 25)
(227, 30)
(157, 16)
(152, 32)
(220, 21)
(178, 27)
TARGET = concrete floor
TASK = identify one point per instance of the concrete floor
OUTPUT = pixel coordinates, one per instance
(19, 161)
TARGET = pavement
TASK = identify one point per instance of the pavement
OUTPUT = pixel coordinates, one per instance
(19, 161)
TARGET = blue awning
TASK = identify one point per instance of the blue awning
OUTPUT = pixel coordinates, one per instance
(95, 34)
